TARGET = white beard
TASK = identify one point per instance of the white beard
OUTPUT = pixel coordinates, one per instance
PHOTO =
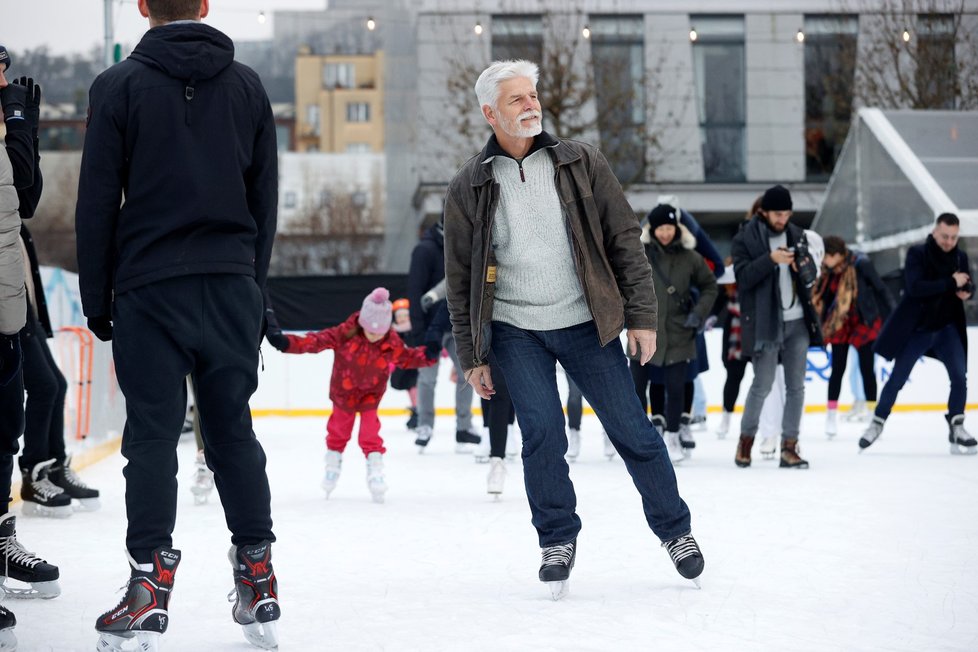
(516, 129)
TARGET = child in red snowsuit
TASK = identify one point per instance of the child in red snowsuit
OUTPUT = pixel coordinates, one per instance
(366, 349)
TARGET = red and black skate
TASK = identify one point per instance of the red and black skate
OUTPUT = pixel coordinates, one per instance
(255, 594)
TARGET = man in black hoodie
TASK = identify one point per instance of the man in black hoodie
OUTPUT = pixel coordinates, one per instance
(185, 136)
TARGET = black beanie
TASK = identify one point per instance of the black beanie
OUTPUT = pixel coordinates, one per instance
(776, 198)
(4, 58)
(663, 214)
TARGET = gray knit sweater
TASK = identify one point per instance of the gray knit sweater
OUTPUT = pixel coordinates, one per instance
(537, 287)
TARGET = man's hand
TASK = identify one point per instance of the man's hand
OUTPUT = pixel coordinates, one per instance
(481, 381)
(10, 358)
(101, 326)
(32, 109)
(960, 279)
(641, 343)
(783, 256)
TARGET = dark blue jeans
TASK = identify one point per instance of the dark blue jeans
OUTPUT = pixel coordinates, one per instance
(528, 361)
(948, 349)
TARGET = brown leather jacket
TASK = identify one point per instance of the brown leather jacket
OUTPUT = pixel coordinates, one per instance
(605, 238)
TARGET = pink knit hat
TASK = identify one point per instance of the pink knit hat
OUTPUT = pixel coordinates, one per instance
(375, 314)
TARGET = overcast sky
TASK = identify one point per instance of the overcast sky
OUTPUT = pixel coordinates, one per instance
(68, 26)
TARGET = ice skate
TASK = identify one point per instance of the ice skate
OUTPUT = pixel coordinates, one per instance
(412, 422)
(85, 498)
(873, 432)
(744, 446)
(143, 611)
(497, 477)
(686, 440)
(831, 423)
(8, 640)
(609, 448)
(659, 422)
(481, 453)
(769, 447)
(203, 481)
(334, 465)
(674, 447)
(724, 425)
(573, 444)
(858, 412)
(255, 594)
(424, 436)
(466, 441)
(558, 561)
(24, 566)
(790, 459)
(514, 442)
(961, 441)
(41, 496)
(686, 556)
(375, 477)
(698, 422)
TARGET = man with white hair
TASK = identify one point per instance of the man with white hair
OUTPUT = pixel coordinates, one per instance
(544, 265)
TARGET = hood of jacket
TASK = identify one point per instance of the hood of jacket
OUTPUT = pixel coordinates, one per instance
(686, 239)
(186, 51)
(435, 234)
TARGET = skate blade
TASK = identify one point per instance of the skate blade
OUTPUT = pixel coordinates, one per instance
(696, 581)
(42, 590)
(145, 642)
(958, 449)
(33, 509)
(263, 635)
(559, 590)
(377, 498)
(86, 504)
(8, 641)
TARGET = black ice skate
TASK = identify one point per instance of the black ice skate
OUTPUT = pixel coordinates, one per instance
(873, 432)
(8, 641)
(63, 476)
(424, 436)
(686, 556)
(41, 496)
(255, 594)
(142, 612)
(24, 566)
(465, 441)
(558, 561)
(412, 422)
(961, 441)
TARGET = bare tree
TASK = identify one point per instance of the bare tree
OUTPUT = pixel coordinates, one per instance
(918, 54)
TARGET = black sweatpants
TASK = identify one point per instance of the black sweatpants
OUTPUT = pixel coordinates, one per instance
(501, 414)
(207, 326)
(731, 386)
(11, 427)
(44, 429)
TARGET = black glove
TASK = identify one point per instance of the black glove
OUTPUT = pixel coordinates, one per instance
(432, 350)
(278, 340)
(13, 97)
(101, 326)
(10, 358)
(32, 109)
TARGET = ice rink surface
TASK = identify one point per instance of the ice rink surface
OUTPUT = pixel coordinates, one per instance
(862, 552)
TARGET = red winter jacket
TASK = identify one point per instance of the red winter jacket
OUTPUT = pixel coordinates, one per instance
(361, 368)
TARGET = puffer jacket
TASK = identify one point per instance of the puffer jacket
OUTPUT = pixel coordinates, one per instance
(13, 292)
(604, 234)
(686, 269)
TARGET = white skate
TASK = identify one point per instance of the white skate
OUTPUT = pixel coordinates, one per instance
(497, 477)
(375, 477)
(609, 449)
(334, 464)
(481, 453)
(769, 447)
(203, 482)
(514, 442)
(724, 425)
(831, 423)
(573, 444)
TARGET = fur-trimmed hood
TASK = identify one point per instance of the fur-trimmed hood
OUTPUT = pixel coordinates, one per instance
(686, 237)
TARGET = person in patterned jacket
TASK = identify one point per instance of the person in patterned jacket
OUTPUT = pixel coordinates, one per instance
(366, 349)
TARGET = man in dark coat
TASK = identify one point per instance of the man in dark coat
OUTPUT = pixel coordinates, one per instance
(779, 321)
(930, 321)
(173, 276)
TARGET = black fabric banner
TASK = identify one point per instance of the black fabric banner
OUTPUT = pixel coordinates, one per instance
(306, 303)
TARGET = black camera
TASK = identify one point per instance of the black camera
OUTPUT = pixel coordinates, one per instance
(807, 272)
(968, 287)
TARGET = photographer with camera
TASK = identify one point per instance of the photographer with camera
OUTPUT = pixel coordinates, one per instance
(930, 321)
(779, 320)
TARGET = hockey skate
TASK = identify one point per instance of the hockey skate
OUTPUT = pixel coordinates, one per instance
(961, 441)
(375, 477)
(424, 436)
(724, 425)
(63, 476)
(334, 465)
(609, 449)
(143, 611)
(203, 481)
(466, 441)
(41, 496)
(481, 453)
(686, 556)
(558, 562)
(573, 444)
(8, 640)
(24, 566)
(496, 478)
(255, 594)
(769, 447)
(873, 432)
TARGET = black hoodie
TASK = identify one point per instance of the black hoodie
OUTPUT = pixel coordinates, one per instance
(185, 136)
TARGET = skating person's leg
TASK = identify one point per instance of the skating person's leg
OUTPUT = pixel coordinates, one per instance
(949, 351)
(500, 408)
(675, 394)
(463, 391)
(531, 375)
(867, 369)
(657, 397)
(794, 357)
(339, 429)
(915, 346)
(840, 358)
(225, 377)
(369, 436)
(575, 405)
(689, 393)
(156, 328)
(11, 427)
(731, 386)
(601, 374)
(640, 378)
(765, 363)
(44, 437)
(427, 378)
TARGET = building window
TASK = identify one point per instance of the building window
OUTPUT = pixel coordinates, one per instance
(358, 148)
(312, 117)
(324, 198)
(937, 69)
(718, 62)
(358, 112)
(830, 63)
(517, 37)
(618, 58)
(339, 75)
(290, 199)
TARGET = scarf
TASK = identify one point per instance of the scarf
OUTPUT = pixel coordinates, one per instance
(841, 286)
